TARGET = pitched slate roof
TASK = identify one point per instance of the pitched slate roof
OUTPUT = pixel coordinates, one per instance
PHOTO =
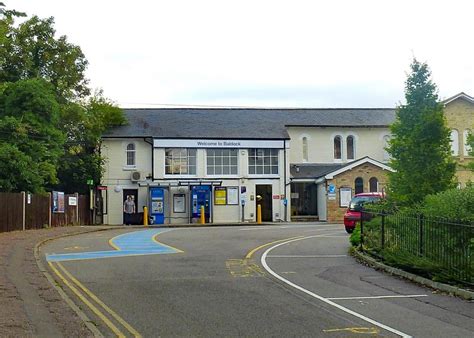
(242, 123)
(312, 170)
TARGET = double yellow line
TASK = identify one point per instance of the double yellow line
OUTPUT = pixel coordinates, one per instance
(75, 286)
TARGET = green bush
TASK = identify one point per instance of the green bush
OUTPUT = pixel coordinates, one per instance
(455, 204)
(355, 236)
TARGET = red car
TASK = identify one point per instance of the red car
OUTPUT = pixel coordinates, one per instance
(352, 215)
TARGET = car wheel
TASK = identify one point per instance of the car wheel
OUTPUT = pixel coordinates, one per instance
(349, 230)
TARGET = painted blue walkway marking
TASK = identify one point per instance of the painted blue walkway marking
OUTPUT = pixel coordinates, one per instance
(130, 244)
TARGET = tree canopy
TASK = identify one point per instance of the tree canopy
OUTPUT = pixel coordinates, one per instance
(420, 145)
(50, 125)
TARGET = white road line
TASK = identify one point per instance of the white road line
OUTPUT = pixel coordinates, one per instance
(309, 256)
(376, 297)
(315, 226)
(325, 300)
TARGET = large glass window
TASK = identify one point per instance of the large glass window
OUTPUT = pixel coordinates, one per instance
(131, 154)
(222, 161)
(350, 147)
(337, 148)
(467, 147)
(263, 161)
(180, 161)
(373, 184)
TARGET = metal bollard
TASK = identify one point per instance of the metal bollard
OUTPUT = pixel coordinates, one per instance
(203, 217)
(145, 216)
(259, 214)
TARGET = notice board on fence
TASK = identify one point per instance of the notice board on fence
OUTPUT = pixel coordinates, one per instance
(58, 201)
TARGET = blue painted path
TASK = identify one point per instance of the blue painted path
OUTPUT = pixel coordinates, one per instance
(135, 243)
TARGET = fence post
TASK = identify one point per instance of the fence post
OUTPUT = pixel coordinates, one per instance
(49, 209)
(383, 229)
(420, 224)
(77, 208)
(23, 210)
(362, 229)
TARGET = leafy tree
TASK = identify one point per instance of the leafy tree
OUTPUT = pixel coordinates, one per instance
(31, 50)
(85, 124)
(29, 124)
(420, 146)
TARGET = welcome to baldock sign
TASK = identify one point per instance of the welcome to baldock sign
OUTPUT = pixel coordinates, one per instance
(204, 143)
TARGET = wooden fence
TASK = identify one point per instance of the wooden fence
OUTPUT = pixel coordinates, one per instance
(21, 211)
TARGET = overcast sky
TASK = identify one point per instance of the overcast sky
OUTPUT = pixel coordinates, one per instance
(265, 53)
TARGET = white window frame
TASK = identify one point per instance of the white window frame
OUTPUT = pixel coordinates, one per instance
(188, 164)
(130, 151)
(454, 142)
(305, 148)
(230, 157)
(467, 148)
(264, 156)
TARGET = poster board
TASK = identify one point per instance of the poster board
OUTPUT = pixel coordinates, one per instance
(58, 202)
(179, 203)
(233, 195)
(220, 196)
(345, 196)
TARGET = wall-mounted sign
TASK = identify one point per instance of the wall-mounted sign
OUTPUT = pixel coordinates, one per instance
(58, 202)
(345, 196)
(72, 200)
(220, 196)
(331, 189)
(179, 203)
(233, 195)
(198, 143)
(276, 197)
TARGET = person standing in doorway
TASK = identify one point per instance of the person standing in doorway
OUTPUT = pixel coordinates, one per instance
(128, 210)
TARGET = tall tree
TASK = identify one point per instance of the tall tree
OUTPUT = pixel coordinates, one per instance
(31, 50)
(420, 146)
(30, 134)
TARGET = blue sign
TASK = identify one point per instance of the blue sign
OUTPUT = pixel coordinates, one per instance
(332, 189)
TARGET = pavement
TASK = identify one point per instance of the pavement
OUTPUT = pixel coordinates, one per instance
(284, 280)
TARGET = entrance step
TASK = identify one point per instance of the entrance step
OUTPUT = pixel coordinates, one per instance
(312, 218)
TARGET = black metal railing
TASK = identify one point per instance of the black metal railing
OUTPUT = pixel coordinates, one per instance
(435, 247)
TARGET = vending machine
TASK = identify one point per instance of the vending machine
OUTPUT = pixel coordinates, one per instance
(201, 196)
(157, 205)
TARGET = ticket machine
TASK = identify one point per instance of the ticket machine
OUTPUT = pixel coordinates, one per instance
(201, 196)
(157, 205)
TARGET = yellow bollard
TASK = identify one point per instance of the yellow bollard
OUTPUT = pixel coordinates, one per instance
(259, 214)
(145, 216)
(203, 216)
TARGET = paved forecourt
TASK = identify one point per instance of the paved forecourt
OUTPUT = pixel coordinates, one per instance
(255, 281)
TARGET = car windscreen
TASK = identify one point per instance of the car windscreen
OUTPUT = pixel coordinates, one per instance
(358, 201)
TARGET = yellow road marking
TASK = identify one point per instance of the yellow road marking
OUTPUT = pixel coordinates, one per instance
(98, 301)
(251, 252)
(361, 330)
(89, 304)
(111, 241)
(169, 246)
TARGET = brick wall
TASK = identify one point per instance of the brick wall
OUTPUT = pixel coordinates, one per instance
(335, 213)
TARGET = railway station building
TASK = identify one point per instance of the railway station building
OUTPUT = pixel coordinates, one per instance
(298, 164)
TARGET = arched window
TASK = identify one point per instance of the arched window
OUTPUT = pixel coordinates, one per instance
(131, 154)
(359, 185)
(337, 147)
(350, 147)
(386, 140)
(467, 147)
(305, 149)
(454, 142)
(373, 184)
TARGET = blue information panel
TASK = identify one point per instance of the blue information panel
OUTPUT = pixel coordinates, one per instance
(157, 205)
(201, 195)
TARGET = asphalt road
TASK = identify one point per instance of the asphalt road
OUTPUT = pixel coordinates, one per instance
(225, 281)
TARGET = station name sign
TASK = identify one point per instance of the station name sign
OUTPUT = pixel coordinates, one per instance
(205, 143)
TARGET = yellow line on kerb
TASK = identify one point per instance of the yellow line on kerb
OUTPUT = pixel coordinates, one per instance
(169, 246)
(98, 301)
(111, 241)
(89, 304)
(251, 252)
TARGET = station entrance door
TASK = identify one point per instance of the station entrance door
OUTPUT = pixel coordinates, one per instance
(265, 192)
